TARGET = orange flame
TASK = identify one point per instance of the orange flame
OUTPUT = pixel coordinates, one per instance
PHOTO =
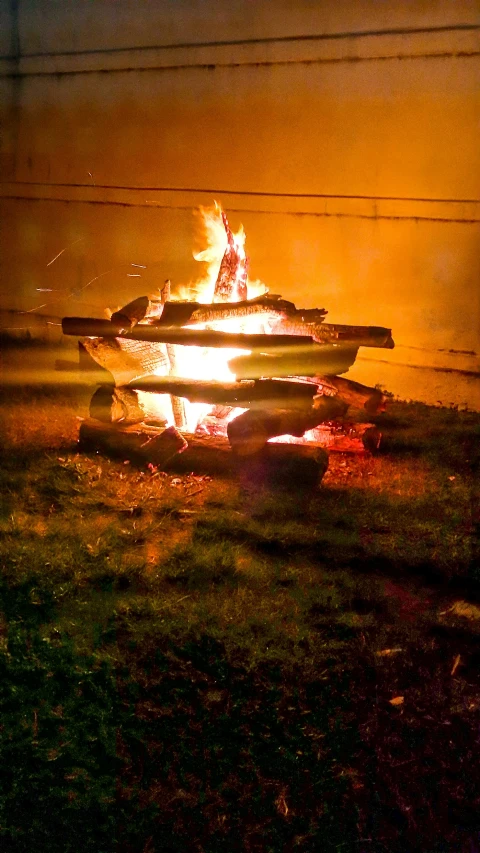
(204, 363)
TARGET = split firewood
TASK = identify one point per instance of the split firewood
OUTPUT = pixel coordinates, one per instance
(115, 405)
(131, 314)
(141, 445)
(231, 283)
(250, 431)
(309, 360)
(270, 393)
(126, 359)
(356, 395)
(82, 327)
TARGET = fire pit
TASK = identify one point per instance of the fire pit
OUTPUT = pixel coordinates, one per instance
(233, 363)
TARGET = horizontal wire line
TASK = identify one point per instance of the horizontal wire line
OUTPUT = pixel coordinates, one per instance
(322, 215)
(253, 193)
(400, 31)
(211, 66)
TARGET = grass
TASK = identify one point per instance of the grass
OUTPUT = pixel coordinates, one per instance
(193, 663)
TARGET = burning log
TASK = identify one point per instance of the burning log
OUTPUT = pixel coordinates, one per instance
(189, 313)
(250, 431)
(266, 392)
(138, 445)
(231, 283)
(306, 360)
(89, 327)
(114, 405)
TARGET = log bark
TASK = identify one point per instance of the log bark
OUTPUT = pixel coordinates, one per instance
(250, 431)
(115, 405)
(231, 283)
(266, 392)
(137, 445)
(310, 360)
(88, 327)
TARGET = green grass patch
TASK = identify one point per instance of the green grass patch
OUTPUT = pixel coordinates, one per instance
(190, 664)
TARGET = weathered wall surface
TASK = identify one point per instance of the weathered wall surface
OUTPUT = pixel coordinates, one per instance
(344, 135)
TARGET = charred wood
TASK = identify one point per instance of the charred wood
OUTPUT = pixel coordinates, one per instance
(183, 313)
(231, 283)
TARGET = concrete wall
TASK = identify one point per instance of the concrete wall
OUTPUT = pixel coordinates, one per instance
(344, 135)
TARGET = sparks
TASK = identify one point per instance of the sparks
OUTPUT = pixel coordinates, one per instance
(64, 250)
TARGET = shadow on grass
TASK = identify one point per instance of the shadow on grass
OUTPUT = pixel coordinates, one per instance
(181, 747)
(353, 529)
(447, 438)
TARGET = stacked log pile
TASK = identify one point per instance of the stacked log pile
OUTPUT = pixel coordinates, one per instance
(287, 382)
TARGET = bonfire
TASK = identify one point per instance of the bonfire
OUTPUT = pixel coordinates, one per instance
(231, 360)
